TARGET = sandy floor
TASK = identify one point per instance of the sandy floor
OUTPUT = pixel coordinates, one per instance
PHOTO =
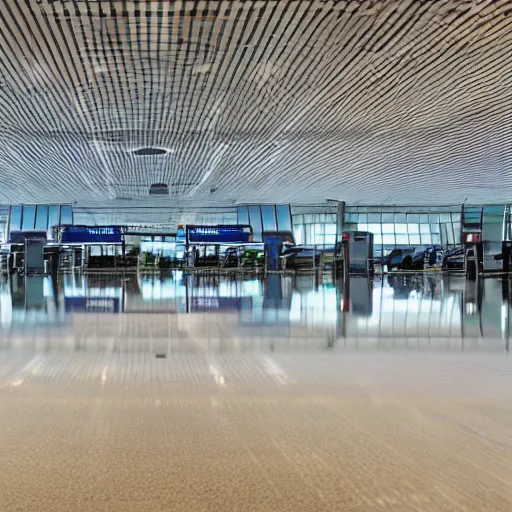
(294, 432)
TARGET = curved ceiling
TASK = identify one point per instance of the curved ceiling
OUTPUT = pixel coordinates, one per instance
(399, 102)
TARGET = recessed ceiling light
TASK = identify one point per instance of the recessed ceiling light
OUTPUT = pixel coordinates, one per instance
(149, 152)
(159, 189)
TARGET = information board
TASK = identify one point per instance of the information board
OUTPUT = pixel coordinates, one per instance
(204, 304)
(219, 234)
(91, 234)
(34, 257)
(93, 304)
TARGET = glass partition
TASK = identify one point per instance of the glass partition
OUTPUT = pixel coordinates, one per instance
(315, 229)
(66, 215)
(39, 217)
(42, 218)
(401, 226)
(54, 216)
(268, 215)
(29, 218)
(15, 218)
(284, 217)
(243, 215)
(255, 221)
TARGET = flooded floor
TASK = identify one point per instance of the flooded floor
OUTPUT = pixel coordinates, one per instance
(190, 393)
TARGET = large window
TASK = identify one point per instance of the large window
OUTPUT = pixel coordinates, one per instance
(284, 217)
(66, 215)
(16, 218)
(29, 218)
(403, 228)
(265, 217)
(53, 216)
(42, 218)
(315, 229)
(39, 217)
(268, 215)
(243, 215)
(255, 221)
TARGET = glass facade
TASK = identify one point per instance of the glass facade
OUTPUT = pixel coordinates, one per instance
(265, 217)
(284, 218)
(29, 218)
(472, 218)
(42, 218)
(311, 225)
(256, 222)
(66, 215)
(400, 227)
(165, 219)
(243, 215)
(53, 216)
(315, 229)
(38, 217)
(15, 218)
(268, 214)
(220, 216)
(4, 216)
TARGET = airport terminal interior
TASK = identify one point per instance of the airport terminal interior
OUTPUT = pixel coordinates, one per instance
(255, 255)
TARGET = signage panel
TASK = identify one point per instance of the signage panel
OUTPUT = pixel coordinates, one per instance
(204, 304)
(93, 304)
(219, 234)
(92, 234)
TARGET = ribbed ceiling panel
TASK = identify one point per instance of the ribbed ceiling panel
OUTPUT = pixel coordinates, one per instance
(400, 102)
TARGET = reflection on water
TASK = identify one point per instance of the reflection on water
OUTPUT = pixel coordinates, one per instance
(189, 312)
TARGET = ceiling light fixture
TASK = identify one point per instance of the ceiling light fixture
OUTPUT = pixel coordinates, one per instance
(149, 152)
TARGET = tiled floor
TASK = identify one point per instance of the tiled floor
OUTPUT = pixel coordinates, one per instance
(111, 431)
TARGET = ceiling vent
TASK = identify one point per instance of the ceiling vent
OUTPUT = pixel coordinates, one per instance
(159, 189)
(149, 152)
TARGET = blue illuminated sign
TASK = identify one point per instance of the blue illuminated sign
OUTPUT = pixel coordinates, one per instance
(203, 304)
(219, 234)
(101, 231)
(93, 304)
(91, 234)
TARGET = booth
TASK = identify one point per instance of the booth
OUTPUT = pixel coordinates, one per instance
(275, 243)
(34, 256)
(218, 245)
(91, 246)
(17, 246)
(473, 253)
(357, 253)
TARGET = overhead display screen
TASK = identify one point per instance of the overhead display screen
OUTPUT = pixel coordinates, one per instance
(92, 234)
(219, 234)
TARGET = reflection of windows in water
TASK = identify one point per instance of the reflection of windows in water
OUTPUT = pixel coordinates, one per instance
(105, 250)
(100, 304)
(207, 302)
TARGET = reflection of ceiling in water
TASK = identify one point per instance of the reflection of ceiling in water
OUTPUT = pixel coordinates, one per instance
(376, 101)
